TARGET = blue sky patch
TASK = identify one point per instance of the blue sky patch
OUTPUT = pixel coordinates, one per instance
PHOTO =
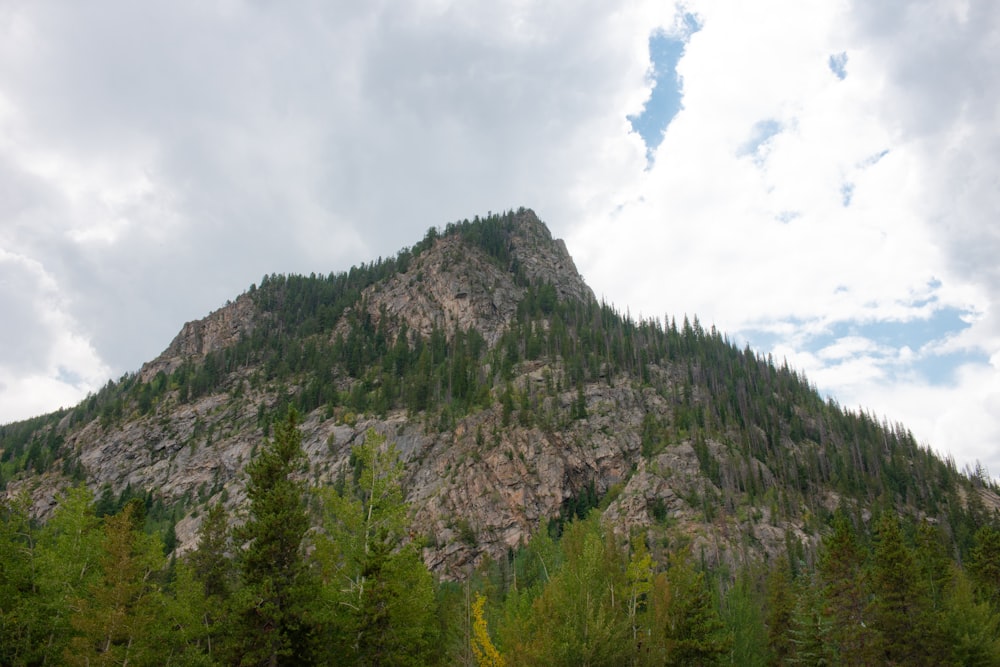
(838, 64)
(915, 333)
(874, 159)
(846, 194)
(940, 369)
(664, 101)
(761, 132)
(887, 339)
(69, 376)
(894, 335)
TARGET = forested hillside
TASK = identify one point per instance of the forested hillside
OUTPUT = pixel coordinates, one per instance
(459, 456)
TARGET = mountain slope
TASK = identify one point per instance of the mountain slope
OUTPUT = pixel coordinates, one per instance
(515, 398)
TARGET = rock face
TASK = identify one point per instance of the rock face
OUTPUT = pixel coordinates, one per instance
(477, 490)
(193, 453)
(448, 289)
(479, 486)
(452, 286)
(219, 330)
(546, 259)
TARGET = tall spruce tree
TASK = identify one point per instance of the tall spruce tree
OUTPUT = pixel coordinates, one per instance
(845, 589)
(273, 604)
(900, 609)
(984, 564)
(114, 621)
(694, 632)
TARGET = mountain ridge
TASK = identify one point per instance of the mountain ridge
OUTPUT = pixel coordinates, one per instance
(515, 398)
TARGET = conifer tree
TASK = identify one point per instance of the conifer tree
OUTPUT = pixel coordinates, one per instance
(984, 564)
(809, 631)
(691, 625)
(900, 609)
(780, 611)
(115, 620)
(273, 604)
(203, 587)
(210, 559)
(972, 626)
(843, 578)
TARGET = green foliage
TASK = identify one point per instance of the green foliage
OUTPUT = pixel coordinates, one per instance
(984, 564)
(22, 623)
(69, 554)
(686, 627)
(844, 577)
(348, 585)
(379, 599)
(653, 434)
(84, 590)
(580, 617)
(971, 626)
(779, 606)
(273, 604)
(908, 627)
(32, 445)
(115, 618)
(743, 615)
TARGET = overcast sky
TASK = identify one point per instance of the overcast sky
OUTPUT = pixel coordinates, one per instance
(818, 179)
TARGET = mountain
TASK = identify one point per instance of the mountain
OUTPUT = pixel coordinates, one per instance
(516, 400)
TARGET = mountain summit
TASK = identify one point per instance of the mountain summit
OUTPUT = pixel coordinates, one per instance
(515, 398)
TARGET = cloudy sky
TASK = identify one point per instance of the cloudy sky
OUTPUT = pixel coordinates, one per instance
(818, 179)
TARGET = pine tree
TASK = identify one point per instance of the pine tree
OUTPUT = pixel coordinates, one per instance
(843, 577)
(115, 620)
(273, 605)
(809, 631)
(972, 626)
(204, 585)
(685, 627)
(984, 564)
(780, 611)
(900, 609)
(210, 560)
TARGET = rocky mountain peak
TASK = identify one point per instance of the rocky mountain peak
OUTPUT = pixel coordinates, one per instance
(459, 284)
(219, 330)
(560, 405)
(545, 259)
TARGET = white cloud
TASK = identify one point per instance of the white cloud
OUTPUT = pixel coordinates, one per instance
(157, 159)
(47, 361)
(764, 242)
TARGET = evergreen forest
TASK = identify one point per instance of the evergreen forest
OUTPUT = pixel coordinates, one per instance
(332, 576)
(889, 554)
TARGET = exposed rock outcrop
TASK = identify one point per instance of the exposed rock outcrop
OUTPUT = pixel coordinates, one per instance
(454, 285)
(219, 330)
(483, 482)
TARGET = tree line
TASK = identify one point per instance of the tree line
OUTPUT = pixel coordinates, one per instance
(334, 576)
